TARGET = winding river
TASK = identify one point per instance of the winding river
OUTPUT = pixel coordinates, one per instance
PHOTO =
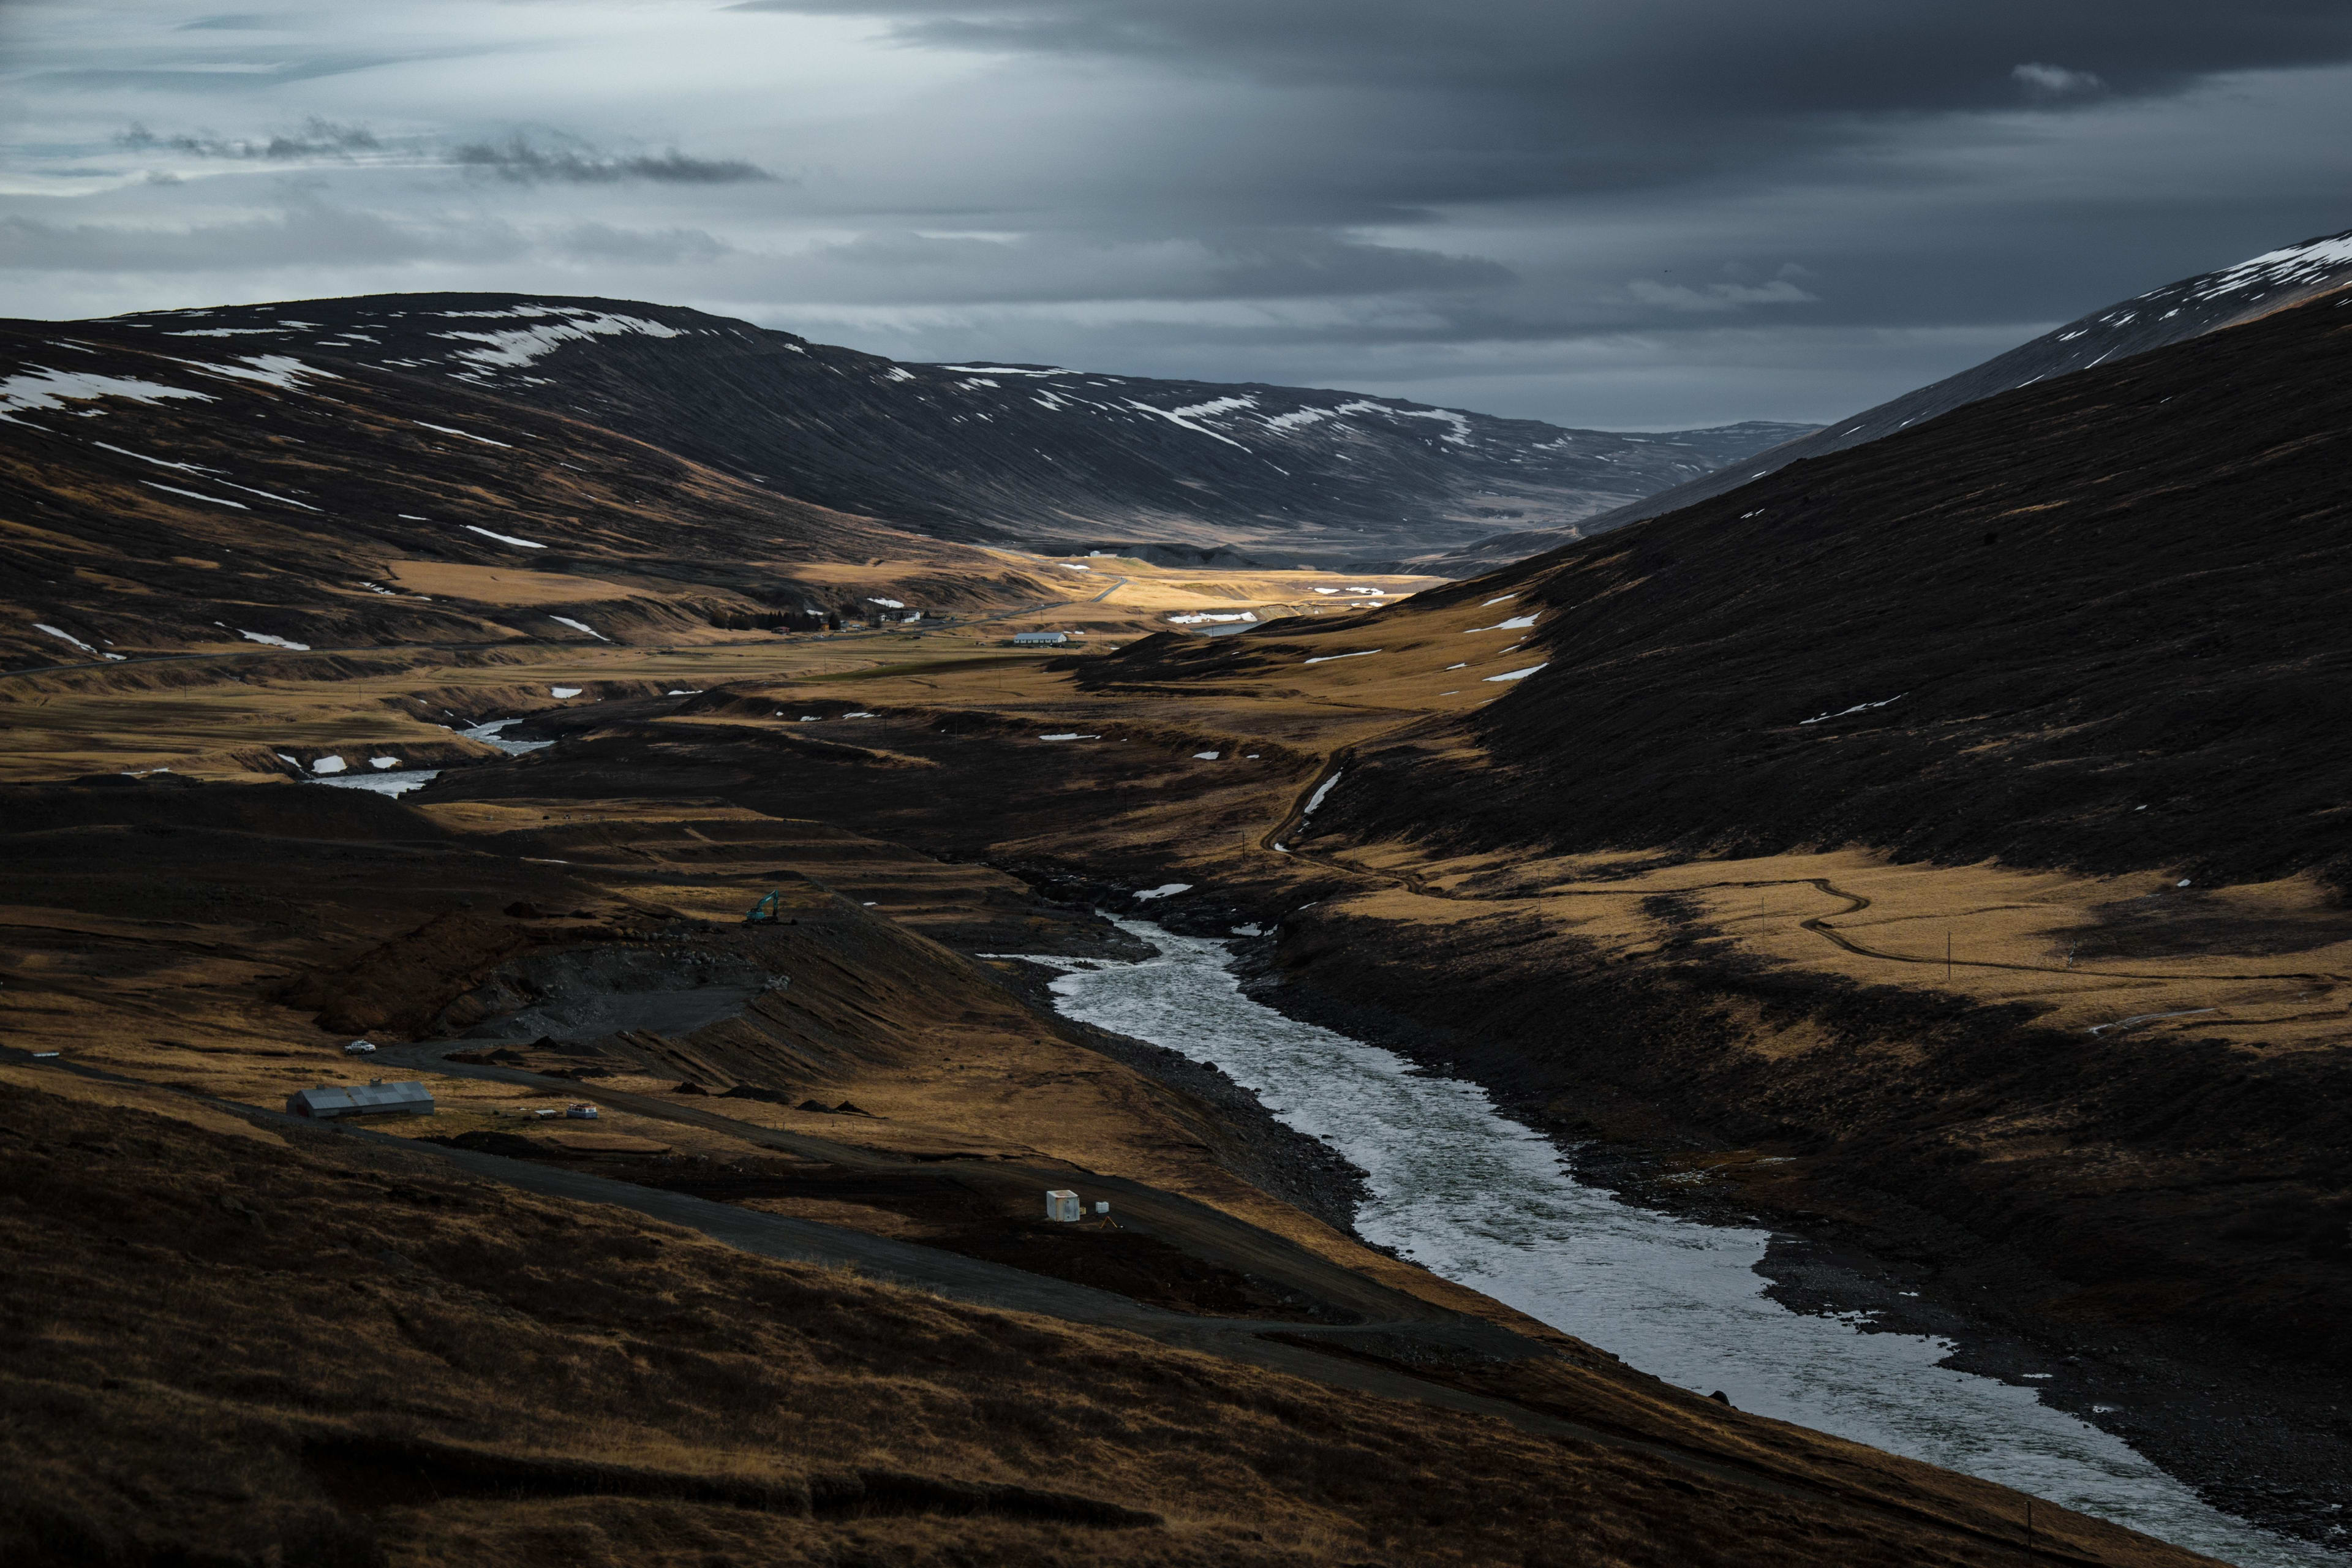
(1478, 1198)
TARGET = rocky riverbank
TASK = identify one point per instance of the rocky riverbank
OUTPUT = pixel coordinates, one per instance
(2258, 1435)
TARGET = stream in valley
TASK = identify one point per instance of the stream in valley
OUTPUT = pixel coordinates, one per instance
(1467, 1193)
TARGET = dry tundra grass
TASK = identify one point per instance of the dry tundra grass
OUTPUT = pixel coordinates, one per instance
(224, 1350)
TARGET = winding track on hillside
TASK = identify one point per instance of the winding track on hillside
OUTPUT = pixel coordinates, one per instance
(1413, 883)
(1196, 1228)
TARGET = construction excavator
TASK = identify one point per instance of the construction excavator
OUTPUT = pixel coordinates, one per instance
(768, 911)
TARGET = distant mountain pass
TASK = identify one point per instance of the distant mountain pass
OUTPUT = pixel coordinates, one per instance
(1007, 454)
(2187, 309)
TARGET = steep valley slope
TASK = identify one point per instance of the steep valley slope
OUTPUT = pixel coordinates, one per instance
(2177, 311)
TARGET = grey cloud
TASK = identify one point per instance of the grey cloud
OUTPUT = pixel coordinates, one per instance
(1508, 97)
(520, 159)
(660, 247)
(1274, 265)
(306, 234)
(231, 77)
(1717, 296)
(318, 138)
(907, 267)
(2056, 82)
(1841, 55)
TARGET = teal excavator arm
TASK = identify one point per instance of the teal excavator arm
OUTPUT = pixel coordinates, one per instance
(764, 912)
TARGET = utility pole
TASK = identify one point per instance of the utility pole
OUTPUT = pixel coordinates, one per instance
(1947, 957)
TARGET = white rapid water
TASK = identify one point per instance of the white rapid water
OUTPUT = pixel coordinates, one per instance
(488, 734)
(1478, 1198)
(394, 783)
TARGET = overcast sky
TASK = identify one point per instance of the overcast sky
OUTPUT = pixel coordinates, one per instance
(1624, 213)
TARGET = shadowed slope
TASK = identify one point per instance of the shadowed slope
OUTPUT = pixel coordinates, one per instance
(2173, 313)
(2097, 622)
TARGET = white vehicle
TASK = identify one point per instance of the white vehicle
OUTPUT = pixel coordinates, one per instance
(360, 1048)
(582, 1112)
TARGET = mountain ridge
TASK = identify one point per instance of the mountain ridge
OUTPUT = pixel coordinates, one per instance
(1071, 459)
(2172, 312)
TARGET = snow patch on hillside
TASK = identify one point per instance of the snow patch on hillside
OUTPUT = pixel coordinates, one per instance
(1460, 423)
(466, 435)
(1325, 788)
(513, 349)
(2309, 262)
(60, 633)
(40, 387)
(1186, 416)
(281, 371)
(504, 538)
(195, 495)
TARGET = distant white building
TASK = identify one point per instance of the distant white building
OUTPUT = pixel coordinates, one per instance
(1040, 639)
(1063, 1205)
(375, 1099)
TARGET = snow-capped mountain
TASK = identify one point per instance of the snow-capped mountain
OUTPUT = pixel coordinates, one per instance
(1015, 454)
(2186, 309)
(161, 492)
(472, 469)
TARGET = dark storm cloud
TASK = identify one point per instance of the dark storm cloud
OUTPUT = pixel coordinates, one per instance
(1855, 56)
(1491, 98)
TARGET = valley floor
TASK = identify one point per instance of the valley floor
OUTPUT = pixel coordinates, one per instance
(2094, 1111)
